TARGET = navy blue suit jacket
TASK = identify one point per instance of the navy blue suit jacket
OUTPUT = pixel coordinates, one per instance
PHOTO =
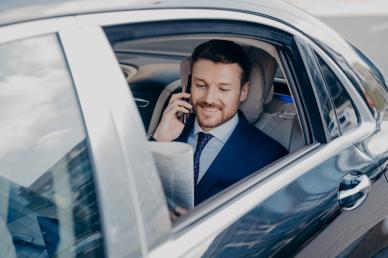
(246, 151)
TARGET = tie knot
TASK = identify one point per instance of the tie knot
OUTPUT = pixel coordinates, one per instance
(204, 138)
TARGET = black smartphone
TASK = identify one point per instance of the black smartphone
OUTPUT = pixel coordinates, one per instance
(183, 116)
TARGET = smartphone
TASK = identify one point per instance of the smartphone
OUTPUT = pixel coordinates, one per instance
(183, 116)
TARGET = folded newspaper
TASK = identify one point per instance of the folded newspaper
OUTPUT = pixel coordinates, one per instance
(174, 161)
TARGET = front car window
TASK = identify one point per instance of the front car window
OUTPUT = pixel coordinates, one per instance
(48, 204)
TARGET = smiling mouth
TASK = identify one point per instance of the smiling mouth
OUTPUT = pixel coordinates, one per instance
(210, 109)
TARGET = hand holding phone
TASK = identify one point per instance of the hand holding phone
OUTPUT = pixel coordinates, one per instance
(174, 116)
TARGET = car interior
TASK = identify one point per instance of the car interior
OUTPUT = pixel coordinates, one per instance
(155, 68)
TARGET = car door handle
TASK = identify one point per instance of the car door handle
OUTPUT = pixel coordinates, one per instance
(142, 102)
(353, 190)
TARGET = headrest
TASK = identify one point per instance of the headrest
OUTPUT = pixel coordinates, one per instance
(260, 81)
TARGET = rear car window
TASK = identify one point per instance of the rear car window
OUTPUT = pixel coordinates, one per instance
(48, 204)
(345, 111)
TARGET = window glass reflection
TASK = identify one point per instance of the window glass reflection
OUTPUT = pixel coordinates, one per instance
(48, 200)
(345, 111)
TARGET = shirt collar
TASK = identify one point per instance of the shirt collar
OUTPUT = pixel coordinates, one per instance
(221, 132)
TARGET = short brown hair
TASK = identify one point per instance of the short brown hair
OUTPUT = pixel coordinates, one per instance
(223, 51)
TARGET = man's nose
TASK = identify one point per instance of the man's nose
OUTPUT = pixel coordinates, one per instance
(211, 95)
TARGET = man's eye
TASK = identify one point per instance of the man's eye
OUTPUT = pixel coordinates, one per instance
(224, 89)
(200, 85)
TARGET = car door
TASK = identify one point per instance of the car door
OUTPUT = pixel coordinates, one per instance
(299, 199)
(364, 236)
(272, 213)
(331, 192)
(278, 211)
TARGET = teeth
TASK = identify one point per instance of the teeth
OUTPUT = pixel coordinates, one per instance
(210, 109)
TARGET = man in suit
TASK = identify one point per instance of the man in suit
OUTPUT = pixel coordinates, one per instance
(226, 147)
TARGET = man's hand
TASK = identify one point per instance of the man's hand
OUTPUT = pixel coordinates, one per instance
(170, 127)
(176, 213)
(174, 210)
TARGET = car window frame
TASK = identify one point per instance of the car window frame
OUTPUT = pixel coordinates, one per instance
(283, 49)
(322, 95)
(107, 148)
(290, 53)
(287, 55)
(301, 89)
(361, 108)
(341, 129)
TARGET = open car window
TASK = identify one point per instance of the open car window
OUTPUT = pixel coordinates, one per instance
(153, 70)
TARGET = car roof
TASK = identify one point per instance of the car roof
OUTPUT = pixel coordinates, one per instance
(26, 10)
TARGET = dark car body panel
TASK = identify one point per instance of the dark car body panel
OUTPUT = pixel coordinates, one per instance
(289, 219)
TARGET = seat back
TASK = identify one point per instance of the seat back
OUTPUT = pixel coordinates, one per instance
(283, 126)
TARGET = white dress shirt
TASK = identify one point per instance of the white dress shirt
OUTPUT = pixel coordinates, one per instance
(220, 135)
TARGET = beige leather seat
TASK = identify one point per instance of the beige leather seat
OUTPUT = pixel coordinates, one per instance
(283, 126)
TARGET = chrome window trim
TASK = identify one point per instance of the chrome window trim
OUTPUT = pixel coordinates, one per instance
(211, 225)
(303, 119)
(305, 55)
(111, 169)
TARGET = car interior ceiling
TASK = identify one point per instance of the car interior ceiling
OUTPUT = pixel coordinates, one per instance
(156, 72)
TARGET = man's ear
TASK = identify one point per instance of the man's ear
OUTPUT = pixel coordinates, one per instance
(244, 92)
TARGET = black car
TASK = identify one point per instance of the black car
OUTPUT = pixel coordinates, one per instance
(83, 85)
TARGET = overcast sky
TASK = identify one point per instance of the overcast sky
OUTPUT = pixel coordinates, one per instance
(40, 120)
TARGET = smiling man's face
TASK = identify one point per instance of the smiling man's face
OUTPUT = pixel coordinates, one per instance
(216, 92)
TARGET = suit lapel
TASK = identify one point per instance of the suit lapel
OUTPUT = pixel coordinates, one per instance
(219, 169)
